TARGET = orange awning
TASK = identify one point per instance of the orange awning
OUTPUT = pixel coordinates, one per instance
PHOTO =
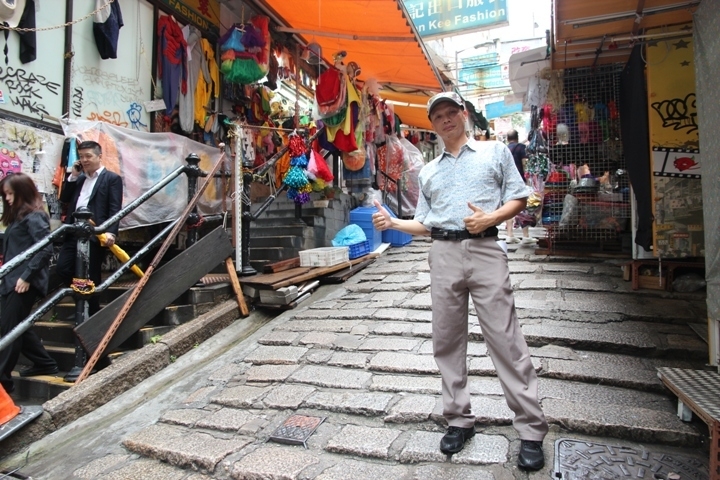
(410, 107)
(580, 26)
(375, 34)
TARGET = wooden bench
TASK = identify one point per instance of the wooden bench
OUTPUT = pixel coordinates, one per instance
(668, 266)
(698, 392)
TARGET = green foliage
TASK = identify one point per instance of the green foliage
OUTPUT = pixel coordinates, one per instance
(155, 338)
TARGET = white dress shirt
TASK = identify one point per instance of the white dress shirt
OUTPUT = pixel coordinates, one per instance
(87, 187)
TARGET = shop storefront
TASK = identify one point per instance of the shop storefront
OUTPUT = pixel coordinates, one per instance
(650, 162)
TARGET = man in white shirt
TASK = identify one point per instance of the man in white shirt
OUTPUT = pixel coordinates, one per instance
(92, 186)
(467, 190)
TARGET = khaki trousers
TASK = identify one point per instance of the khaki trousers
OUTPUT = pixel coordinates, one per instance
(478, 267)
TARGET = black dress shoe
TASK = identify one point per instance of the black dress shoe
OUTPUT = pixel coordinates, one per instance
(531, 456)
(455, 438)
(33, 371)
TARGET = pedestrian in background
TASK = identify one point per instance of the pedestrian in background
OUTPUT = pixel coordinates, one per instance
(466, 191)
(519, 154)
(26, 225)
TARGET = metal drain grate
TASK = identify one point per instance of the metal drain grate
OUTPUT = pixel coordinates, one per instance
(578, 460)
(296, 430)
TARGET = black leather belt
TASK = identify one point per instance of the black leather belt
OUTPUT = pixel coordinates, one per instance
(440, 234)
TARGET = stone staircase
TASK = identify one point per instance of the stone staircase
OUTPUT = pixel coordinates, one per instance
(277, 235)
(56, 331)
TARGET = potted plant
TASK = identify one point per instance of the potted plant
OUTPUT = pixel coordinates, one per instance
(329, 192)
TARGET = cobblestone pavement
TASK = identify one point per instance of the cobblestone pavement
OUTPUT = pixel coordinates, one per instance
(361, 358)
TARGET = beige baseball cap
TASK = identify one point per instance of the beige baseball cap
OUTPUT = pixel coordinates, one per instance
(444, 97)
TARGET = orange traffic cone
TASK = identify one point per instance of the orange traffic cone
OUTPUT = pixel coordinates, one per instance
(8, 409)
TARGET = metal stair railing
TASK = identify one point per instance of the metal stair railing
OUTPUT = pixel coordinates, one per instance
(398, 191)
(84, 230)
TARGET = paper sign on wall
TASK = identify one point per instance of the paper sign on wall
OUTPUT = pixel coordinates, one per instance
(154, 105)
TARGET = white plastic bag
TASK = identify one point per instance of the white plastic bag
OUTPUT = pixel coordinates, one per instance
(570, 212)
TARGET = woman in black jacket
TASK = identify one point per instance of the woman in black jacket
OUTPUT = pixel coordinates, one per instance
(26, 224)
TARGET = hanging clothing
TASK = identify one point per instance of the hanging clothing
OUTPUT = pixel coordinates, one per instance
(636, 141)
(186, 103)
(106, 28)
(208, 84)
(28, 46)
(172, 61)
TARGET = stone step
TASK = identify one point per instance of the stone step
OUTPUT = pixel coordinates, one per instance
(282, 229)
(194, 436)
(64, 354)
(182, 447)
(40, 388)
(286, 241)
(273, 254)
(56, 331)
(307, 211)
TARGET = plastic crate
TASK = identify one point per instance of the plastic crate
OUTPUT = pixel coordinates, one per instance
(324, 256)
(362, 216)
(359, 249)
(394, 237)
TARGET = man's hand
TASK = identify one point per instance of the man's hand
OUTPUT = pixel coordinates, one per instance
(479, 221)
(21, 286)
(109, 240)
(381, 219)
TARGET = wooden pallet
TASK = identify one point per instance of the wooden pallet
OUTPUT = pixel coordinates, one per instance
(298, 275)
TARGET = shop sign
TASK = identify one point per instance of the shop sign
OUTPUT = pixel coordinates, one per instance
(665, 226)
(484, 78)
(500, 109)
(681, 235)
(436, 18)
(201, 13)
(695, 228)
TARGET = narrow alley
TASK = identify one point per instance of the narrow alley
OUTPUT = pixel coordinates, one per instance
(356, 363)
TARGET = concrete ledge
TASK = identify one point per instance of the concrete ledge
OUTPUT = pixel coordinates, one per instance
(128, 371)
(181, 339)
(101, 387)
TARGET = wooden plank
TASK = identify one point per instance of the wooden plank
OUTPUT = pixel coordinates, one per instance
(236, 287)
(282, 265)
(320, 271)
(289, 306)
(267, 280)
(166, 284)
(343, 275)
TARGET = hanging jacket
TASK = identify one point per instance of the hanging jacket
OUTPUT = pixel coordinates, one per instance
(208, 84)
(28, 46)
(172, 61)
(106, 28)
(186, 103)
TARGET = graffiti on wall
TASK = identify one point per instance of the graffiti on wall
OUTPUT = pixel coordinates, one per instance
(108, 97)
(30, 150)
(27, 91)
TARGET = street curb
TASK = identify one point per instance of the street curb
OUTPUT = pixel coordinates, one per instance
(128, 371)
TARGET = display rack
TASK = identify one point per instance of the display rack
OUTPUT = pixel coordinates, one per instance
(585, 147)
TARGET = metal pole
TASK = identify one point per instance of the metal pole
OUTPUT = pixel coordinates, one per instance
(241, 208)
(398, 185)
(193, 172)
(83, 231)
(243, 196)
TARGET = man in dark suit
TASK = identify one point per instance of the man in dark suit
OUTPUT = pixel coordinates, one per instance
(93, 186)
